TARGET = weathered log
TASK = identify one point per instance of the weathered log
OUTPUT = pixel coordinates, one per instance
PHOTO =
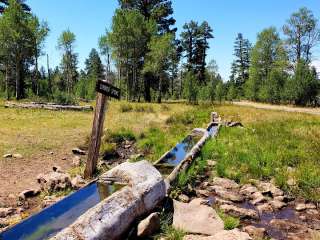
(50, 106)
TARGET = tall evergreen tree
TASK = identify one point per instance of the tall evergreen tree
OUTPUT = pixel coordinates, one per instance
(5, 3)
(240, 66)
(194, 42)
(159, 11)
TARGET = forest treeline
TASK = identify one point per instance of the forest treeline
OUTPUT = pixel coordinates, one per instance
(142, 54)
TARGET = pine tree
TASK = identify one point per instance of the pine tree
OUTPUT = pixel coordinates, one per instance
(240, 66)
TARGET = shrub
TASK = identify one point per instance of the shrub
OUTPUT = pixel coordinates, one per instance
(144, 108)
(229, 221)
(126, 107)
(64, 98)
(119, 136)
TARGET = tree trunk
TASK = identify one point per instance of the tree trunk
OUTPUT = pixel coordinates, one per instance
(18, 80)
(160, 89)
(7, 81)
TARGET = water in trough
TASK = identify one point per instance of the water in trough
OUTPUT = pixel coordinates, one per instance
(53, 219)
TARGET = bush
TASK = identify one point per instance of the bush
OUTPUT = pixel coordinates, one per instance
(229, 221)
(144, 108)
(126, 107)
(64, 98)
(119, 136)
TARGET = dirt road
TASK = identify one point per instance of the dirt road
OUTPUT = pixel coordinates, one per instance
(314, 111)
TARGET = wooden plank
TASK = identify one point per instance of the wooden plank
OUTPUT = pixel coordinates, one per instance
(97, 130)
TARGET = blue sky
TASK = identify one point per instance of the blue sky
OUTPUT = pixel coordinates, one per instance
(89, 19)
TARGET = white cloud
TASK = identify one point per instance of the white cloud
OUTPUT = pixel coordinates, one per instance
(316, 64)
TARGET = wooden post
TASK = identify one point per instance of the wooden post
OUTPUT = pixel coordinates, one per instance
(104, 89)
(97, 129)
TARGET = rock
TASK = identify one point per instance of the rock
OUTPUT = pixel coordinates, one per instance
(234, 234)
(9, 155)
(291, 182)
(28, 194)
(57, 169)
(313, 212)
(78, 151)
(220, 201)
(228, 195)
(17, 155)
(211, 163)
(50, 200)
(77, 182)
(267, 187)
(51, 153)
(239, 212)
(277, 205)
(255, 232)
(294, 230)
(303, 206)
(183, 198)
(149, 225)
(225, 183)
(300, 207)
(257, 197)
(248, 190)
(5, 212)
(202, 193)
(113, 216)
(54, 181)
(76, 161)
(266, 207)
(197, 218)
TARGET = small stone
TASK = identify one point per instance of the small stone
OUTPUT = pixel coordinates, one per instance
(228, 195)
(300, 207)
(127, 146)
(255, 232)
(5, 212)
(202, 193)
(28, 194)
(57, 169)
(183, 198)
(149, 225)
(51, 153)
(248, 190)
(211, 163)
(277, 204)
(9, 155)
(76, 161)
(312, 212)
(225, 183)
(291, 182)
(239, 212)
(266, 207)
(78, 151)
(267, 187)
(17, 155)
(280, 198)
(77, 182)
(64, 158)
(257, 197)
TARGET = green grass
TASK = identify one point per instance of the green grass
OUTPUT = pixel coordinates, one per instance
(170, 233)
(229, 221)
(265, 149)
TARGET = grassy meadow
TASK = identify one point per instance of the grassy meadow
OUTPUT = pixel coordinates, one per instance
(274, 145)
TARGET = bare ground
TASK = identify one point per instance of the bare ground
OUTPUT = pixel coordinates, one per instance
(314, 111)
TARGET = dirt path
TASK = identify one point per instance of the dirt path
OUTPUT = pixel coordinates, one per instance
(314, 111)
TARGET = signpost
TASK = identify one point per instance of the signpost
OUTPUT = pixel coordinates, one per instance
(104, 89)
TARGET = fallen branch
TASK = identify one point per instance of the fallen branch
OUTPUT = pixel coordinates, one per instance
(50, 106)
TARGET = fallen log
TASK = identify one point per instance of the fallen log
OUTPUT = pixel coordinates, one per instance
(54, 107)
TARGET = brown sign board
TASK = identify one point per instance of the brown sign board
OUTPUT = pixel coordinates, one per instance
(108, 89)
